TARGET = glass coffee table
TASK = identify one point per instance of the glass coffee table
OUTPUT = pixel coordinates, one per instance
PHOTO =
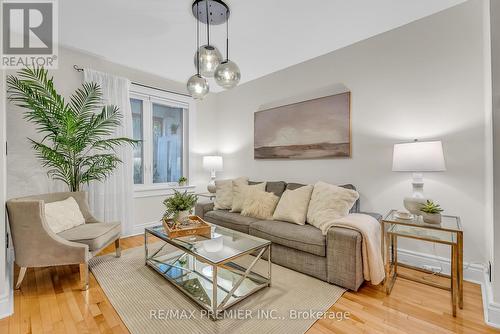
(215, 272)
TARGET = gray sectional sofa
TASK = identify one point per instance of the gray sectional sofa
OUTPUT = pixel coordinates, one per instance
(334, 258)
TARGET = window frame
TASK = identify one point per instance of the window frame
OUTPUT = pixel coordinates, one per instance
(148, 96)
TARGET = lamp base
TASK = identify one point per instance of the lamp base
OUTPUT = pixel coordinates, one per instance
(413, 204)
(211, 186)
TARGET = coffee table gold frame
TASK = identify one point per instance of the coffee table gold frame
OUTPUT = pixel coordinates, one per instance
(390, 240)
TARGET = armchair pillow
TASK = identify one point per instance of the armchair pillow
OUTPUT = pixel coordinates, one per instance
(240, 193)
(224, 193)
(63, 215)
(329, 202)
(259, 204)
(292, 207)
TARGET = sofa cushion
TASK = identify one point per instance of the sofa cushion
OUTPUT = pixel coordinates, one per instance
(63, 215)
(293, 186)
(276, 187)
(329, 202)
(355, 207)
(240, 191)
(95, 235)
(230, 220)
(293, 204)
(260, 204)
(224, 193)
(305, 238)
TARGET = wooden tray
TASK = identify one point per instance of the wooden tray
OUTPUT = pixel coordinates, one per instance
(198, 227)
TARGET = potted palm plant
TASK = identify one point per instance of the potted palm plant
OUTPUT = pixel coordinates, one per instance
(178, 207)
(77, 145)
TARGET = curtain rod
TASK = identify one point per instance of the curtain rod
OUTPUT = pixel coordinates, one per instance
(79, 69)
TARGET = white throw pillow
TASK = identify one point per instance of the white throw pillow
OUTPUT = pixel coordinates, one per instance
(240, 193)
(63, 215)
(329, 202)
(293, 205)
(259, 204)
(224, 193)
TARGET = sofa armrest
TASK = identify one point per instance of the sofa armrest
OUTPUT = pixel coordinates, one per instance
(201, 208)
(343, 255)
(375, 215)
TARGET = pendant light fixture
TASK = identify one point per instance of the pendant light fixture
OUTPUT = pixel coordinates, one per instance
(227, 74)
(208, 60)
(208, 55)
(197, 86)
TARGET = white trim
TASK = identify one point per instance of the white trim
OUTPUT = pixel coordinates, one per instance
(7, 299)
(139, 229)
(148, 96)
(473, 272)
(491, 308)
(160, 190)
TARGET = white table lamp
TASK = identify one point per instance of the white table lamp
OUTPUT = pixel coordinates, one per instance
(212, 163)
(417, 158)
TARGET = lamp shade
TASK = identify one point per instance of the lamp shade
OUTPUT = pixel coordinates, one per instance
(418, 156)
(212, 163)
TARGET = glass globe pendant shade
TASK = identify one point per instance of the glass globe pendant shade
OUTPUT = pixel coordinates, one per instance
(210, 58)
(227, 74)
(197, 87)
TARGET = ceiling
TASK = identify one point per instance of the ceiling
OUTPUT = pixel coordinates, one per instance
(159, 36)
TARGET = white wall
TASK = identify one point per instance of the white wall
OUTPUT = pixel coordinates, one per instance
(424, 80)
(495, 58)
(25, 176)
(6, 297)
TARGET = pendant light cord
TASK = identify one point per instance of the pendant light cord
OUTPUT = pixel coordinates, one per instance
(227, 35)
(197, 41)
(208, 23)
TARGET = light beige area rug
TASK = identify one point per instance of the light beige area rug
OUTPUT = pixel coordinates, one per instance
(148, 304)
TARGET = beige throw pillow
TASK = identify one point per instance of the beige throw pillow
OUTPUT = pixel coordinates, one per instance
(293, 204)
(224, 193)
(240, 193)
(259, 204)
(329, 202)
(63, 215)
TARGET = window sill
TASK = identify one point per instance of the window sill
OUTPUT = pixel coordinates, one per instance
(163, 190)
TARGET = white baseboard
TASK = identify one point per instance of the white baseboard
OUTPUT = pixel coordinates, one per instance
(473, 272)
(7, 299)
(139, 229)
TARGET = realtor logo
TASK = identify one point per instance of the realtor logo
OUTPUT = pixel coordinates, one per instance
(29, 32)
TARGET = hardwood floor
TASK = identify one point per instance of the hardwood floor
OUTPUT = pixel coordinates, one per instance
(50, 301)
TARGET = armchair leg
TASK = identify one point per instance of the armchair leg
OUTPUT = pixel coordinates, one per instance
(84, 275)
(118, 249)
(22, 273)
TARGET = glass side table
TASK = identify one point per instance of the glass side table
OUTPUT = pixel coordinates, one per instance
(449, 232)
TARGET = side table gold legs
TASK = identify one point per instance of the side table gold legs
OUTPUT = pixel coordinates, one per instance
(456, 276)
(460, 246)
(454, 283)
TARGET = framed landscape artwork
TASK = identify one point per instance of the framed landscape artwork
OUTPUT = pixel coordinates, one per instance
(313, 129)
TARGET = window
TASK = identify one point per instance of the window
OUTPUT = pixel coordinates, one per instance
(160, 122)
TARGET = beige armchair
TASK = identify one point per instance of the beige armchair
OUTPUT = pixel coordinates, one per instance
(35, 245)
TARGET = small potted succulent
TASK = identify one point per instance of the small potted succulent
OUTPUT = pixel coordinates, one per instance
(431, 212)
(179, 206)
(182, 181)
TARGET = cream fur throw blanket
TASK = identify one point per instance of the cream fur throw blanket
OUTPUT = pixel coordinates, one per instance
(369, 227)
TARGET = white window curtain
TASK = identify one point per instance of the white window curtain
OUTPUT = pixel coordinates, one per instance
(113, 200)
